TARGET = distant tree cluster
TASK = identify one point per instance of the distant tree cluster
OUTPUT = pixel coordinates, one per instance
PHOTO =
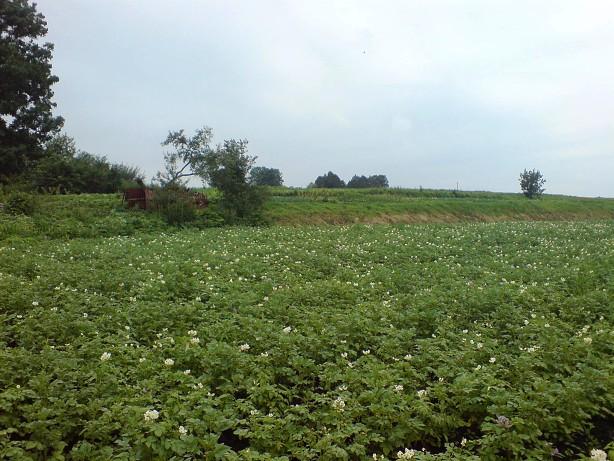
(332, 181)
(376, 180)
(263, 176)
(65, 169)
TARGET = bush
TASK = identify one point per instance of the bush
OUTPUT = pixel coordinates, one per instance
(212, 217)
(243, 205)
(64, 169)
(20, 203)
(175, 205)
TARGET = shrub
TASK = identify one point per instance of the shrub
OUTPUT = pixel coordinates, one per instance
(65, 169)
(212, 217)
(175, 205)
(20, 203)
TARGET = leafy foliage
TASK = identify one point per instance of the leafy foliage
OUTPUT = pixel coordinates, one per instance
(263, 176)
(474, 341)
(26, 120)
(187, 157)
(65, 169)
(20, 203)
(226, 168)
(175, 205)
(330, 180)
(375, 181)
(532, 183)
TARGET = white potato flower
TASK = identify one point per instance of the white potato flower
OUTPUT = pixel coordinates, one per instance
(407, 454)
(339, 404)
(599, 455)
(151, 415)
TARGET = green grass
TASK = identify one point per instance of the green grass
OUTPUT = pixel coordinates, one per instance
(313, 206)
(92, 215)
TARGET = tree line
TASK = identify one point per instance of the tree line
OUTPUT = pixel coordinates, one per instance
(332, 181)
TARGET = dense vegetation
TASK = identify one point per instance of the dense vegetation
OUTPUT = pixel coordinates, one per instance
(474, 341)
(332, 181)
(66, 169)
(227, 168)
(26, 119)
(264, 176)
(363, 182)
(137, 335)
(89, 215)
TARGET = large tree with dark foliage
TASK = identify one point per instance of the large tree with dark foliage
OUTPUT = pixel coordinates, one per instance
(26, 121)
(329, 180)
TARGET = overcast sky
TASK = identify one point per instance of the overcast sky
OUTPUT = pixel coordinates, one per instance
(427, 92)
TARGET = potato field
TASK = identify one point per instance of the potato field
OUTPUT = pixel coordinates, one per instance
(365, 342)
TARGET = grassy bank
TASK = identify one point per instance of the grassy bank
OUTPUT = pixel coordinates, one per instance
(318, 206)
(94, 215)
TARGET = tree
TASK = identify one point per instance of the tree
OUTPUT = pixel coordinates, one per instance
(378, 180)
(531, 183)
(187, 158)
(65, 169)
(227, 168)
(26, 121)
(329, 180)
(263, 176)
(358, 182)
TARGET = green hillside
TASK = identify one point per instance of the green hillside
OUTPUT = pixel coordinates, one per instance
(335, 206)
(93, 215)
